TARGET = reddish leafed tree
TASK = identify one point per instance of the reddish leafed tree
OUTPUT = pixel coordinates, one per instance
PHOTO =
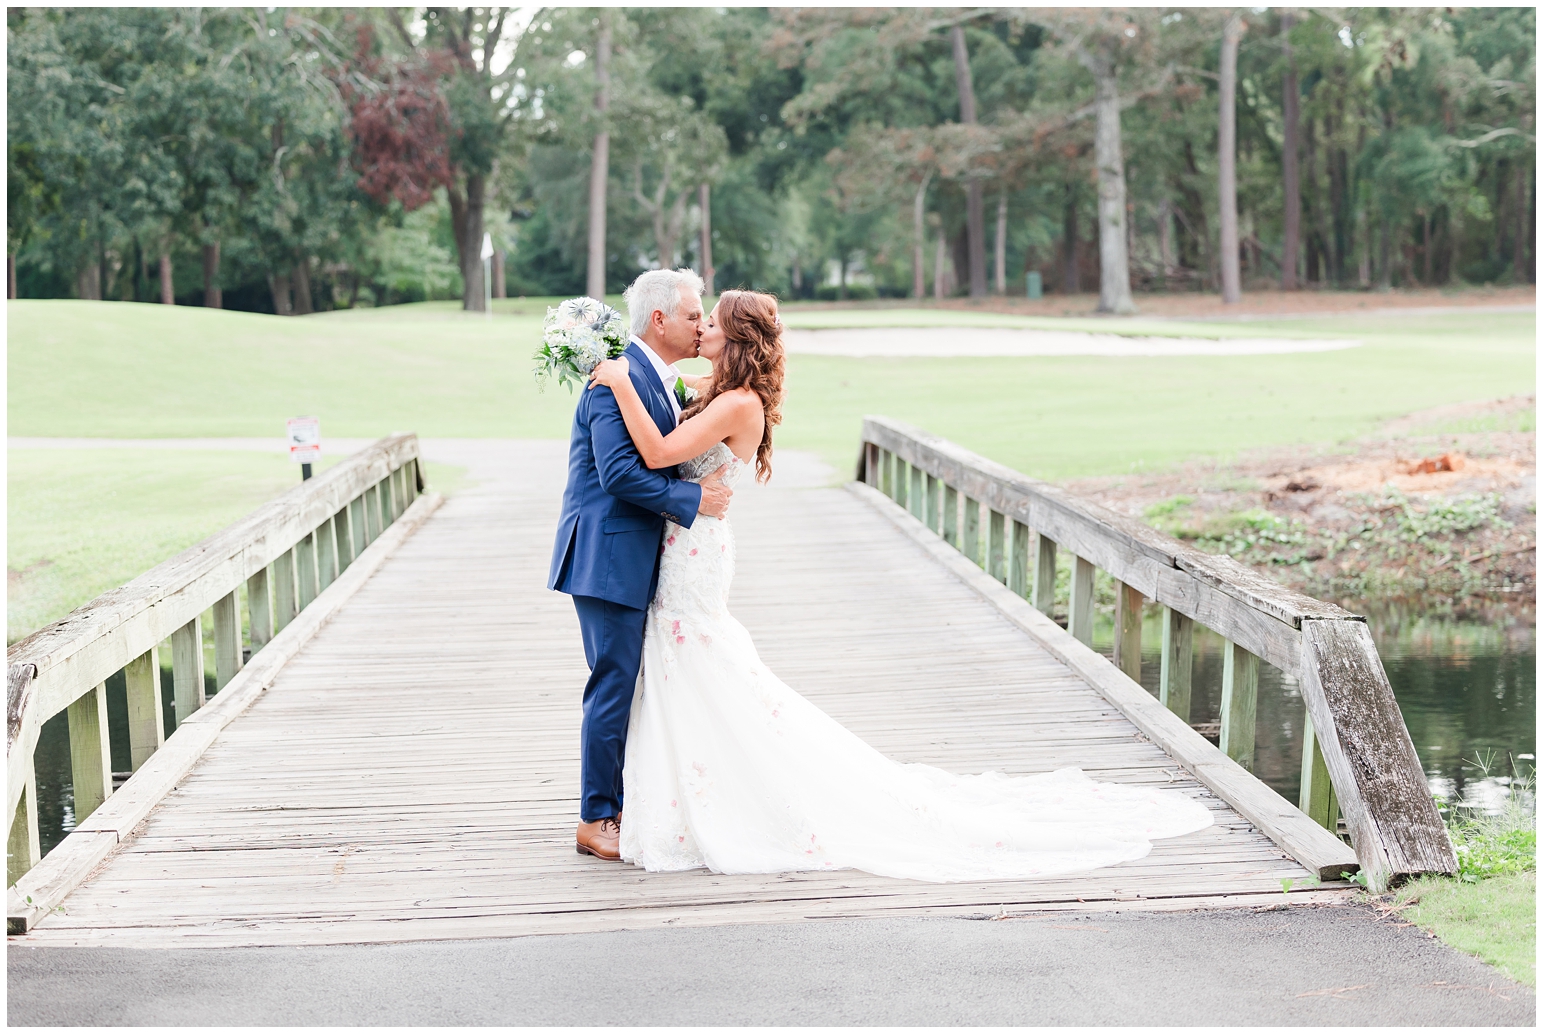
(400, 125)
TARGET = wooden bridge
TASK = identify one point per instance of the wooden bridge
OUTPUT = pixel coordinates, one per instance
(392, 753)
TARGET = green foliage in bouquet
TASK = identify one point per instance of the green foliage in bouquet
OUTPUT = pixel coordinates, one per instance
(575, 337)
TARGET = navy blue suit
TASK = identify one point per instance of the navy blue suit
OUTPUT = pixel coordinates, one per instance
(607, 558)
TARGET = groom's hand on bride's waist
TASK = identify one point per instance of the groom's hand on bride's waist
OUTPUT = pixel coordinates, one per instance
(715, 494)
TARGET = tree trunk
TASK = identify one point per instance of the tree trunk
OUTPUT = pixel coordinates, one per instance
(500, 288)
(466, 222)
(10, 275)
(214, 295)
(1113, 261)
(1226, 161)
(1001, 244)
(278, 284)
(1071, 281)
(302, 287)
(1165, 238)
(168, 294)
(974, 201)
(705, 202)
(1385, 257)
(940, 256)
(600, 164)
(1429, 266)
(1519, 241)
(1291, 230)
(919, 258)
(88, 284)
(798, 277)
(841, 288)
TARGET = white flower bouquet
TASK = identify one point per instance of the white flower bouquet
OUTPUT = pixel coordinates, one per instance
(576, 336)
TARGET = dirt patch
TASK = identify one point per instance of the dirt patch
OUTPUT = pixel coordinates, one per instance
(1376, 517)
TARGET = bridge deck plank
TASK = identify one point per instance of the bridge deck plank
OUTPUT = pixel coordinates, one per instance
(413, 774)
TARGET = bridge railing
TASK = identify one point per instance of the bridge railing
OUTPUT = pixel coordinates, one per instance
(284, 555)
(1357, 754)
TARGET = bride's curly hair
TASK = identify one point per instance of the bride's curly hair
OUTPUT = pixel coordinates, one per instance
(752, 358)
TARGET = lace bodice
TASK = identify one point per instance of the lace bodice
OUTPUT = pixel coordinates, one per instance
(703, 465)
(697, 564)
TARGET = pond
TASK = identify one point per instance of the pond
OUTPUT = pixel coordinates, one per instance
(1467, 687)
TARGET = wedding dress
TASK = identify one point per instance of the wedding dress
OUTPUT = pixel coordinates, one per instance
(728, 768)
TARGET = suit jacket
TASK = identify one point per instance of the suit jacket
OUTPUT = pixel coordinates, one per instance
(614, 507)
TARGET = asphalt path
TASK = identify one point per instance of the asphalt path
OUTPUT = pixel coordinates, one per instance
(1302, 965)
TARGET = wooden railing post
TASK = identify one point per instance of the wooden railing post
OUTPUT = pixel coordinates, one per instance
(91, 760)
(259, 609)
(902, 478)
(1178, 662)
(971, 544)
(1018, 561)
(1240, 692)
(359, 524)
(1044, 575)
(1127, 630)
(326, 554)
(305, 569)
(918, 494)
(1317, 795)
(142, 685)
(187, 668)
(282, 585)
(1079, 614)
(227, 640)
(343, 525)
(398, 496)
(951, 515)
(934, 511)
(1381, 788)
(996, 545)
(871, 464)
(23, 848)
(381, 506)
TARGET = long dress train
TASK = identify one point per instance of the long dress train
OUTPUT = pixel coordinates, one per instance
(728, 768)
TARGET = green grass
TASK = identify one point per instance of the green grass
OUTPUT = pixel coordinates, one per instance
(85, 521)
(1495, 919)
(123, 370)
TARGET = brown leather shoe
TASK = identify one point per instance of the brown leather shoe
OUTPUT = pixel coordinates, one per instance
(601, 839)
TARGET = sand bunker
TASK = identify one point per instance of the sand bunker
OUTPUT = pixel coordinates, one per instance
(950, 342)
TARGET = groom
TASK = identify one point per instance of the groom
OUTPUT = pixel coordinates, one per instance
(607, 552)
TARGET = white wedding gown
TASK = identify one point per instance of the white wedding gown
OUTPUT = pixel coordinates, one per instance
(728, 768)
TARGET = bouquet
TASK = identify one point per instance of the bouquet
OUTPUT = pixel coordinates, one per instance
(576, 336)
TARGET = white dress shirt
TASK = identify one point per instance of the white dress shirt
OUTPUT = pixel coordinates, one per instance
(668, 375)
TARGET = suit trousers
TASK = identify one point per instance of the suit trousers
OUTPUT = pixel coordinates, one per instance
(613, 646)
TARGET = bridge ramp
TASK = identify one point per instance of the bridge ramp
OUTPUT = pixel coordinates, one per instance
(413, 774)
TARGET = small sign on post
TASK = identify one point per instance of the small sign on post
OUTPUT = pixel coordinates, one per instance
(304, 442)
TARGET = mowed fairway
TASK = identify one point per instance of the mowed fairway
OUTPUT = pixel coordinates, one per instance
(83, 521)
(95, 369)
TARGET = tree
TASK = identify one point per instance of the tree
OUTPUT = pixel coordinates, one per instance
(600, 161)
(460, 47)
(1291, 190)
(1227, 157)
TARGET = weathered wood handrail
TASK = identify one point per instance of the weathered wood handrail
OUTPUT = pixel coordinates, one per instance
(285, 553)
(1357, 755)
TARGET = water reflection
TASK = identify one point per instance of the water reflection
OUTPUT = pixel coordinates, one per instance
(1467, 689)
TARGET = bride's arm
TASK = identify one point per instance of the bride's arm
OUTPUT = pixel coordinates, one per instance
(692, 438)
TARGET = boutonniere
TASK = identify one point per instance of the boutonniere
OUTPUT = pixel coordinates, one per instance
(683, 394)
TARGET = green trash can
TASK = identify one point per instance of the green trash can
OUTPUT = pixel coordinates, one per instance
(1034, 286)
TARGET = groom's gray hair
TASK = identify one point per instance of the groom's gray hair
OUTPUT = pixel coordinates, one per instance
(658, 289)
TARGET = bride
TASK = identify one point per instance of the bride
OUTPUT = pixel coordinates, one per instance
(726, 767)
